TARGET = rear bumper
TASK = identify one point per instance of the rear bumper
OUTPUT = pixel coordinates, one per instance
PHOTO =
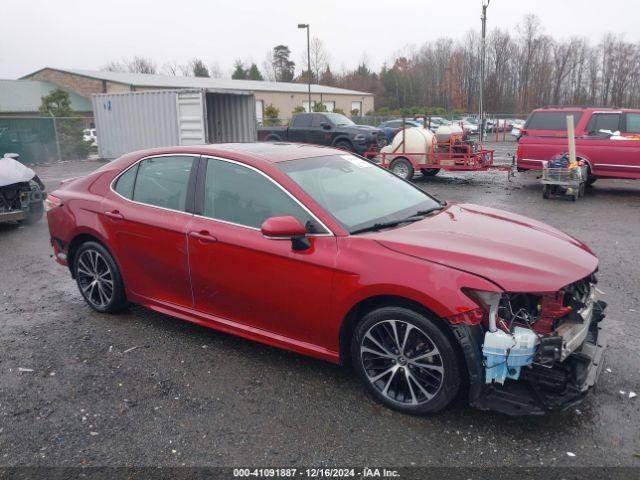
(529, 164)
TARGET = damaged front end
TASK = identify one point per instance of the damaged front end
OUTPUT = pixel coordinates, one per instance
(21, 192)
(535, 352)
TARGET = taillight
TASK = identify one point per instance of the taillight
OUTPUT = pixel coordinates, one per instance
(523, 132)
(52, 202)
(519, 152)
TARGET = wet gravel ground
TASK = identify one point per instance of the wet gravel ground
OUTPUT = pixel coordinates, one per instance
(140, 388)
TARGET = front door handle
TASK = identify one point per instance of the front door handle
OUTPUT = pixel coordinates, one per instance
(203, 236)
(115, 214)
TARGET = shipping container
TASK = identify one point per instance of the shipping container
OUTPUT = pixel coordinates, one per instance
(159, 118)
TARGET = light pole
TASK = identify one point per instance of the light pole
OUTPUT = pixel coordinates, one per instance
(306, 25)
(485, 4)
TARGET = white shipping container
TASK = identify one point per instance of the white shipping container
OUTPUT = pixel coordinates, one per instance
(131, 121)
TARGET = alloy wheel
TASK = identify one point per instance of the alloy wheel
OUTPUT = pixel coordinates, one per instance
(95, 278)
(402, 362)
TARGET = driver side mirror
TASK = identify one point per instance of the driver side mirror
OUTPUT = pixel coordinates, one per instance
(325, 125)
(286, 227)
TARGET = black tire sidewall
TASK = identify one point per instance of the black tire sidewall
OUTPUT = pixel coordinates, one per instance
(452, 374)
(118, 300)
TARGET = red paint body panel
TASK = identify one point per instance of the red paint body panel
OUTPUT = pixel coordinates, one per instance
(234, 279)
(606, 158)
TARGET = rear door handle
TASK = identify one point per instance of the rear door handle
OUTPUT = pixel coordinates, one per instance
(203, 236)
(115, 214)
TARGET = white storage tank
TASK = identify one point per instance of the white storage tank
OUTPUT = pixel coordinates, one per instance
(131, 121)
(416, 140)
(445, 132)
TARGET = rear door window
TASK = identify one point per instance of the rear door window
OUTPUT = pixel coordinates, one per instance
(301, 121)
(163, 181)
(604, 121)
(551, 120)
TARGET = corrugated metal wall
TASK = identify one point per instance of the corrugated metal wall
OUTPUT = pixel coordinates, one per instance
(232, 118)
(132, 121)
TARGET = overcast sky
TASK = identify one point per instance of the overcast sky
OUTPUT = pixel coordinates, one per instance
(87, 34)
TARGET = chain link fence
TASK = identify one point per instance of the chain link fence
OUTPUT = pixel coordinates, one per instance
(47, 139)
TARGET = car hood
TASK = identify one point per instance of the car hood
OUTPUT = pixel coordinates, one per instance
(12, 171)
(364, 128)
(516, 253)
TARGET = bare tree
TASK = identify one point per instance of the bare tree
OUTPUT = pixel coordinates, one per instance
(141, 65)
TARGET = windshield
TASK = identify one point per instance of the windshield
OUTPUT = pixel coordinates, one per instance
(338, 119)
(357, 193)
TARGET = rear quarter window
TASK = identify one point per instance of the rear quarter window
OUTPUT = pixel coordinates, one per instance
(551, 120)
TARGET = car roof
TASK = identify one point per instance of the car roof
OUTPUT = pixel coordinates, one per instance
(586, 108)
(269, 152)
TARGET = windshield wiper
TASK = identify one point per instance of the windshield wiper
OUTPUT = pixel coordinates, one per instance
(419, 215)
(380, 226)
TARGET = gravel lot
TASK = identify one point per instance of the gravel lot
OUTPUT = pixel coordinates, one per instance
(141, 388)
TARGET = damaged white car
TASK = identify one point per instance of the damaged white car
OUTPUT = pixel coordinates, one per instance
(22, 193)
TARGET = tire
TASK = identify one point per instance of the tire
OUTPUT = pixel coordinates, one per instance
(345, 145)
(402, 168)
(429, 172)
(104, 293)
(411, 384)
(591, 180)
(546, 191)
(35, 212)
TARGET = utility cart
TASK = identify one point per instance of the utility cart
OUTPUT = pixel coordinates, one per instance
(561, 182)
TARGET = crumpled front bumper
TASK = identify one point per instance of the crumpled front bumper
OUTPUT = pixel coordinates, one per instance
(539, 389)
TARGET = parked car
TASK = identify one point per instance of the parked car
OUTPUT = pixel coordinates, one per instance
(22, 193)
(392, 127)
(323, 253)
(333, 129)
(607, 139)
(517, 126)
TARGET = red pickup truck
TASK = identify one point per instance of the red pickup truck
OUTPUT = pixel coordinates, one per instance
(607, 139)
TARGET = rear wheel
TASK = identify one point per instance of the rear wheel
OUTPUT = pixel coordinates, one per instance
(429, 172)
(405, 360)
(402, 168)
(98, 278)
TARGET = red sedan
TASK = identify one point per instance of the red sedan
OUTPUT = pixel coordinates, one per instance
(323, 253)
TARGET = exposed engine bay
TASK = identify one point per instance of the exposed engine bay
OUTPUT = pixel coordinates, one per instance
(541, 351)
(22, 193)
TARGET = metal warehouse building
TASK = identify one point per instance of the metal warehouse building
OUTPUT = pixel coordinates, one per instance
(284, 96)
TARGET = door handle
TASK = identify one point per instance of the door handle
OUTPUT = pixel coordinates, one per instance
(115, 214)
(203, 236)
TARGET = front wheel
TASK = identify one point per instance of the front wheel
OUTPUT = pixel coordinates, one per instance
(34, 213)
(345, 145)
(405, 360)
(98, 278)
(402, 168)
